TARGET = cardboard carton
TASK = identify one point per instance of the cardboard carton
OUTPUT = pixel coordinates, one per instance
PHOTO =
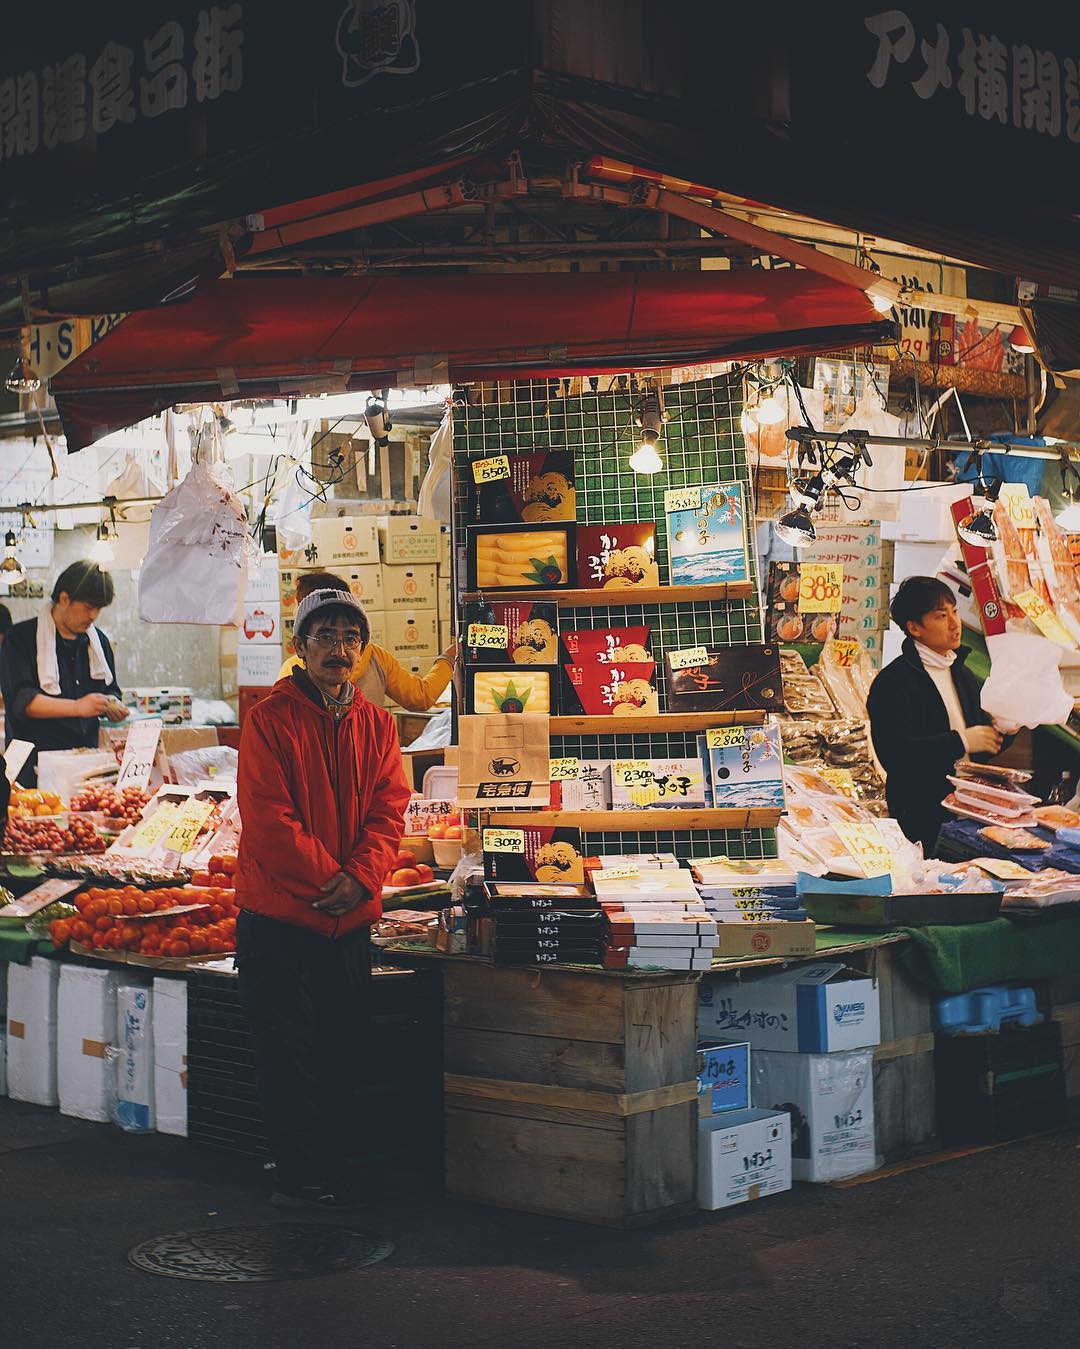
(258, 665)
(86, 1025)
(408, 587)
(407, 539)
(342, 541)
(170, 1056)
(31, 1031)
(366, 583)
(816, 1009)
(412, 634)
(737, 941)
(743, 1155)
(723, 1074)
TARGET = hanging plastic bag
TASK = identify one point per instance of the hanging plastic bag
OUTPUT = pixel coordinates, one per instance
(1024, 687)
(195, 570)
(433, 500)
(296, 501)
(883, 482)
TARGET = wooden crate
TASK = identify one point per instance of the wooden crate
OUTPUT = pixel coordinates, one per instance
(904, 1097)
(571, 1094)
(1068, 1014)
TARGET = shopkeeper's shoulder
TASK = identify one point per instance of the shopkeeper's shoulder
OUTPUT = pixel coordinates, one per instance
(22, 638)
(898, 674)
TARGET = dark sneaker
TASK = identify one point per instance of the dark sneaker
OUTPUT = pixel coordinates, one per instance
(314, 1198)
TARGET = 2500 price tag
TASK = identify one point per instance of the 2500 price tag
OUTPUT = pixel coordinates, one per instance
(504, 840)
(562, 769)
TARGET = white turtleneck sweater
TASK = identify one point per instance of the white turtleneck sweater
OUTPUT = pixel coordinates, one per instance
(938, 665)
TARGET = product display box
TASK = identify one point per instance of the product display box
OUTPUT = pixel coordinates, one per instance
(366, 583)
(412, 634)
(516, 558)
(409, 586)
(516, 631)
(785, 622)
(707, 534)
(258, 665)
(743, 1155)
(261, 624)
(617, 557)
(730, 679)
(407, 539)
(170, 1056)
(538, 853)
(737, 941)
(619, 646)
(31, 1031)
(530, 488)
(590, 790)
(342, 541)
(596, 689)
(812, 1009)
(744, 766)
(651, 783)
(531, 897)
(723, 1074)
(262, 579)
(511, 688)
(830, 1098)
(86, 1023)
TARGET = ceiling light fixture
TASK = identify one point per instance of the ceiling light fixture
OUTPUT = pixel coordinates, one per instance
(102, 550)
(882, 303)
(11, 569)
(651, 418)
(978, 528)
(1021, 342)
(23, 378)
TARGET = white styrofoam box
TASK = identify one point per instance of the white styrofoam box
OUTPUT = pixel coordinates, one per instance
(261, 625)
(3, 1063)
(743, 1155)
(170, 1056)
(917, 559)
(258, 665)
(262, 580)
(31, 1031)
(86, 1026)
(892, 641)
(924, 515)
(830, 1098)
(135, 1061)
(813, 1009)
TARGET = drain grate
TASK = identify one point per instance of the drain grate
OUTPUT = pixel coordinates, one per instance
(268, 1253)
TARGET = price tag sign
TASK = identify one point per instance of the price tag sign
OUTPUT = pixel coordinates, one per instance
(682, 499)
(562, 769)
(504, 840)
(842, 779)
(867, 847)
(493, 636)
(16, 754)
(687, 657)
(820, 587)
(154, 828)
(1044, 618)
(1002, 869)
(724, 737)
(491, 470)
(139, 754)
(1016, 499)
(631, 772)
(846, 651)
(624, 873)
(185, 831)
(40, 897)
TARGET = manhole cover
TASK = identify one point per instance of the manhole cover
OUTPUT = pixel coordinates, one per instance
(266, 1254)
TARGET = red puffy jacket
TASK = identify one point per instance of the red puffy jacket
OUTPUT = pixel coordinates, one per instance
(316, 797)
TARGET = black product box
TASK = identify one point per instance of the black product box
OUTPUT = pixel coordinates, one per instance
(551, 924)
(531, 488)
(531, 631)
(731, 679)
(590, 956)
(995, 1087)
(520, 557)
(540, 853)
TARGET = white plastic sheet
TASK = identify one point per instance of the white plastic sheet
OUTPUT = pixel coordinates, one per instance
(1024, 687)
(434, 497)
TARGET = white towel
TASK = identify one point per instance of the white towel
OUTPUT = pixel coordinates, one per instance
(47, 667)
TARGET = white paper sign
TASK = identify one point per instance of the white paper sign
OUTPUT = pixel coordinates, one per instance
(139, 753)
(16, 754)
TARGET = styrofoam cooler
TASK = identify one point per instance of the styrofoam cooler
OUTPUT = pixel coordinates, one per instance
(31, 1031)
(135, 1057)
(170, 1056)
(86, 1026)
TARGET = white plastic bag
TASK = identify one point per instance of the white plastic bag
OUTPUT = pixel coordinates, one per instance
(1024, 687)
(196, 568)
(884, 482)
(297, 491)
(433, 500)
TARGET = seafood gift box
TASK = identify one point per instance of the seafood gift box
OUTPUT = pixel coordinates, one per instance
(706, 529)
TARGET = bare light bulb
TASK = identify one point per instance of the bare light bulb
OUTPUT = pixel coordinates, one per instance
(102, 550)
(11, 569)
(645, 459)
(749, 423)
(23, 378)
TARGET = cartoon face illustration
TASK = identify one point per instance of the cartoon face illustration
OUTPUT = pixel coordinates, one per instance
(631, 566)
(632, 697)
(534, 643)
(556, 862)
(548, 496)
(630, 654)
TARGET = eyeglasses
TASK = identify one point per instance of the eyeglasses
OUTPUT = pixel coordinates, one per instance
(351, 641)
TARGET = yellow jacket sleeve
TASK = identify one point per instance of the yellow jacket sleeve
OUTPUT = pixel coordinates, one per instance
(289, 666)
(415, 692)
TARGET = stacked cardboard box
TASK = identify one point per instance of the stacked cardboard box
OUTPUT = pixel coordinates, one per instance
(867, 562)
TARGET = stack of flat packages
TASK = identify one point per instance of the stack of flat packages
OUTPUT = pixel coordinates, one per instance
(759, 891)
(654, 919)
(536, 924)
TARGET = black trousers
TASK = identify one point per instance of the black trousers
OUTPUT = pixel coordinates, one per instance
(308, 1001)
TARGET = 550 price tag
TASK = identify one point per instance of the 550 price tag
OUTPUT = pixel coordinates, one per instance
(491, 470)
(504, 840)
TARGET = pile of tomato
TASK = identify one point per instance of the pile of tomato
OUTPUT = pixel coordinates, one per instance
(124, 806)
(140, 921)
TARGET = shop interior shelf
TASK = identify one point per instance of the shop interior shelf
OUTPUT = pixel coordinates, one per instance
(617, 821)
(593, 599)
(665, 721)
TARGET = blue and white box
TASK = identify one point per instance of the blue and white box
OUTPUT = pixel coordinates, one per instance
(810, 1009)
(135, 1058)
(743, 1155)
(744, 766)
(723, 1076)
(707, 534)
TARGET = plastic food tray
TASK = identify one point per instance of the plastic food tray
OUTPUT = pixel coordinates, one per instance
(903, 910)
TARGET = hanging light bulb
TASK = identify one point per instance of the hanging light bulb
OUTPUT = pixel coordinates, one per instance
(749, 423)
(796, 528)
(769, 411)
(1021, 342)
(11, 569)
(22, 379)
(226, 425)
(978, 528)
(808, 491)
(102, 551)
(651, 418)
(378, 418)
(646, 460)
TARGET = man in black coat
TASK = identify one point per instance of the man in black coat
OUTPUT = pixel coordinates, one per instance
(924, 710)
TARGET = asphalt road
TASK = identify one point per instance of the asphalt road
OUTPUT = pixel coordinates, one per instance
(978, 1251)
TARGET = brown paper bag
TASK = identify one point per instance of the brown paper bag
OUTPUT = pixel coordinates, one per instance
(503, 760)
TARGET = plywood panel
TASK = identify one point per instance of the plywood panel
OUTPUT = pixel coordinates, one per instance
(533, 1002)
(661, 1152)
(590, 1064)
(661, 1035)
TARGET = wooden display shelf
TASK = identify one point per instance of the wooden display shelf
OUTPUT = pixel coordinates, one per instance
(665, 721)
(595, 599)
(632, 821)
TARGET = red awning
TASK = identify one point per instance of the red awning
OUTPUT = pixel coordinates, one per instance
(267, 338)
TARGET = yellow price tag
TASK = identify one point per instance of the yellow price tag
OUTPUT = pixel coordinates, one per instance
(724, 737)
(846, 651)
(624, 873)
(154, 827)
(491, 470)
(504, 840)
(820, 587)
(1044, 618)
(1016, 499)
(687, 657)
(559, 770)
(494, 636)
(867, 847)
(841, 778)
(682, 499)
(631, 772)
(185, 831)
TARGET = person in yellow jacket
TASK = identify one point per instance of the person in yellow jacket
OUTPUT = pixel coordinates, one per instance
(377, 673)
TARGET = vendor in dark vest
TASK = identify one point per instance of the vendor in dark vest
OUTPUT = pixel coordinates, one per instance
(925, 712)
(57, 671)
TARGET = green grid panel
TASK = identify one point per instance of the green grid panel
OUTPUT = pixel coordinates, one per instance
(702, 443)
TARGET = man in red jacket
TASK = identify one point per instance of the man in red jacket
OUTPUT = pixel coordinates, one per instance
(322, 798)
